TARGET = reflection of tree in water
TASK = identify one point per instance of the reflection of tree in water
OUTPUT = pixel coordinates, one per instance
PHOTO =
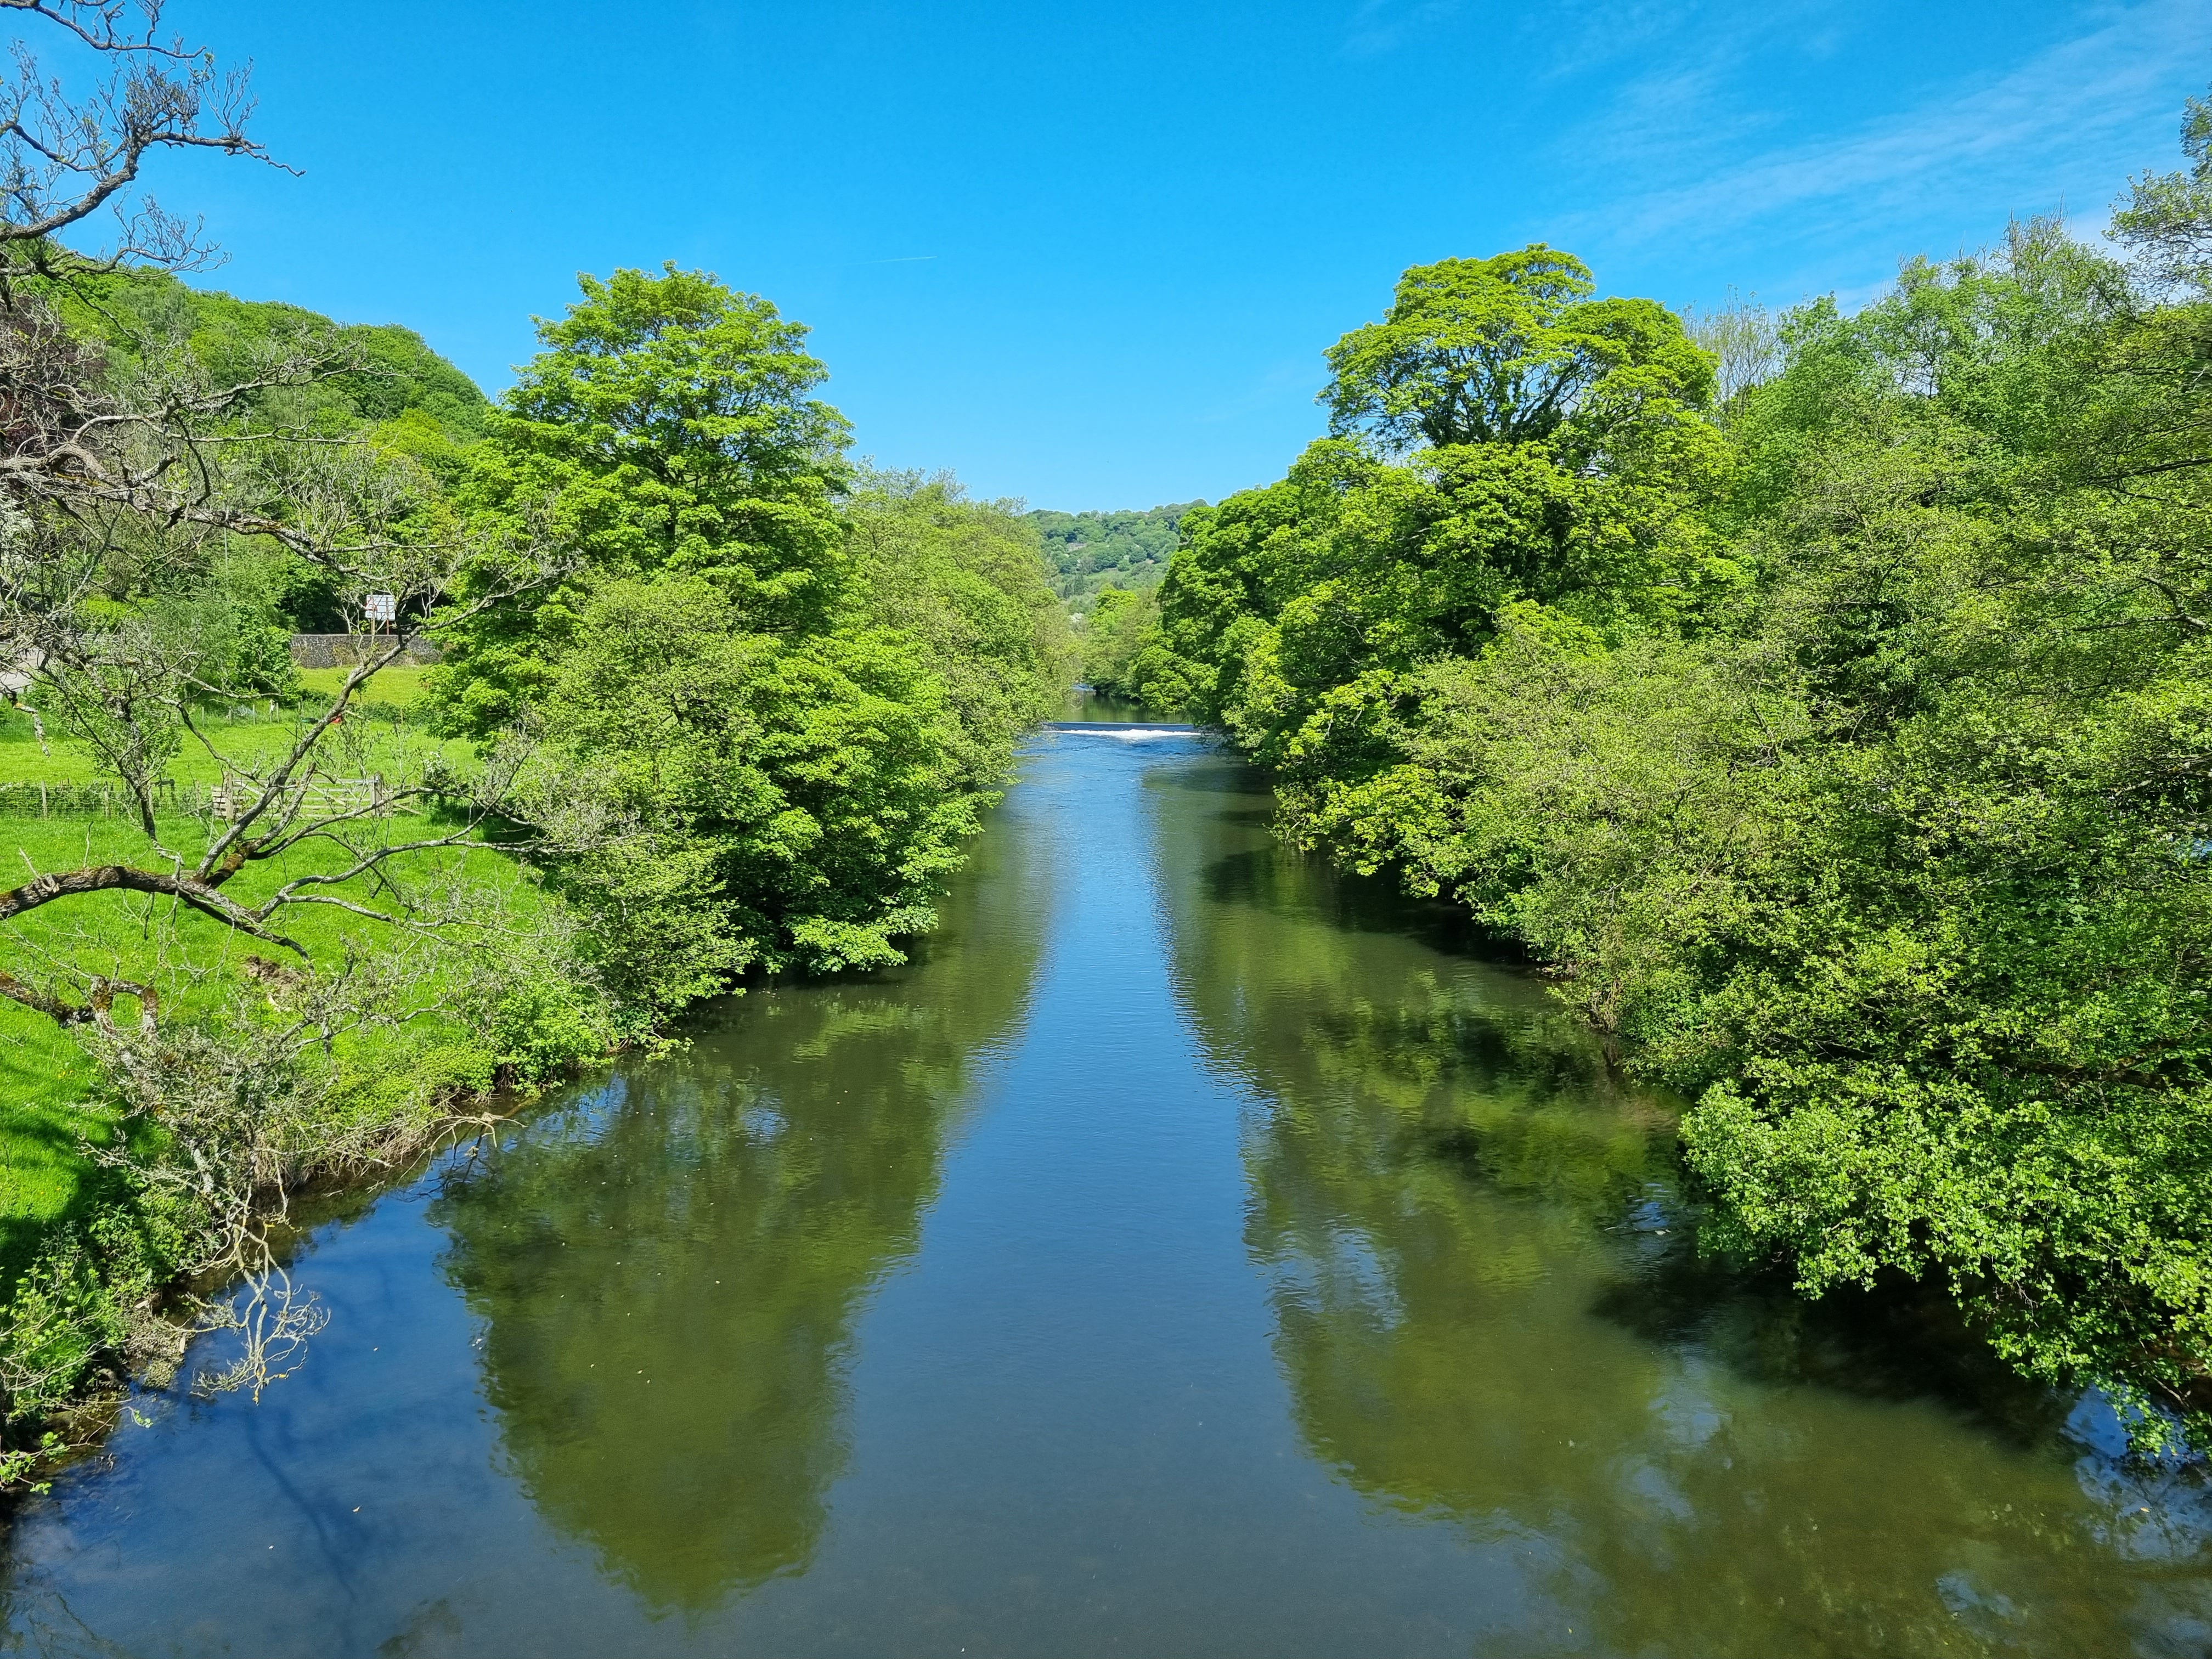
(669, 1275)
(1488, 1310)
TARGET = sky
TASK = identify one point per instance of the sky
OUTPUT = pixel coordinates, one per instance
(1089, 254)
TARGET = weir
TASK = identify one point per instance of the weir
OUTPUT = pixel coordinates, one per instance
(1122, 728)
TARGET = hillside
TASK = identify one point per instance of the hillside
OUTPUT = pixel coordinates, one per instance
(1088, 551)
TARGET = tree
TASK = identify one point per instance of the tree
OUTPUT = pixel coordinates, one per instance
(665, 428)
(1113, 635)
(1569, 466)
(678, 410)
(785, 689)
(1499, 350)
(2167, 217)
(1744, 342)
(964, 578)
(64, 158)
(124, 476)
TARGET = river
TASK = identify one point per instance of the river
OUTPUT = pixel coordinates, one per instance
(1191, 1252)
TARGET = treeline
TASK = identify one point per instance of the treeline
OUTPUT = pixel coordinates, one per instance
(1830, 712)
(783, 683)
(714, 702)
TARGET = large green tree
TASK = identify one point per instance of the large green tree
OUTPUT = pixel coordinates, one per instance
(1573, 453)
(1500, 350)
(773, 695)
(667, 426)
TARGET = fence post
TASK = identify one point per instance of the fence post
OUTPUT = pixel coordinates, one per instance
(42, 797)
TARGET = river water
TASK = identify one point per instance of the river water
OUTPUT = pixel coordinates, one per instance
(1191, 1252)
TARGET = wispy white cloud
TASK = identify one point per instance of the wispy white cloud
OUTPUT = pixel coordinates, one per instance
(1382, 26)
(2080, 98)
(1676, 71)
(1579, 37)
(1288, 382)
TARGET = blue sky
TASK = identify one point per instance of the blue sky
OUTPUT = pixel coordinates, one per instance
(1089, 254)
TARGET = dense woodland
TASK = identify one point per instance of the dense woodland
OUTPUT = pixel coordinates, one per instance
(1106, 552)
(1823, 702)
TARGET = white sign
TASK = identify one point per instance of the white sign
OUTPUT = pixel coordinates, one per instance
(383, 608)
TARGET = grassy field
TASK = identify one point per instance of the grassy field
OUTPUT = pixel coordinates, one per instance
(45, 1117)
(395, 688)
(376, 737)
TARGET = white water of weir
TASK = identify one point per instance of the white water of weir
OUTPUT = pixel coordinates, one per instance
(1126, 733)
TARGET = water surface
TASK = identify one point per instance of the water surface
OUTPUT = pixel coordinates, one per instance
(1190, 1252)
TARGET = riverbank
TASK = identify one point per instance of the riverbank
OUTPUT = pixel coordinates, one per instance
(99, 1221)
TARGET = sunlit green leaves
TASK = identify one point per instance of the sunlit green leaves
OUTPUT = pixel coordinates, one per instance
(1501, 350)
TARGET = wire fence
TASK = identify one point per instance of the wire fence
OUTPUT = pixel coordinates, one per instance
(225, 801)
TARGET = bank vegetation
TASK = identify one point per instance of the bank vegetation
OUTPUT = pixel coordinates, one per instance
(714, 702)
(1824, 701)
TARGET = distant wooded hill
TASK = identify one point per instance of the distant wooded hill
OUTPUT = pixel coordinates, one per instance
(1088, 551)
(413, 401)
(141, 310)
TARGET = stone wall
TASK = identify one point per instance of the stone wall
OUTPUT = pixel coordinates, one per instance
(344, 650)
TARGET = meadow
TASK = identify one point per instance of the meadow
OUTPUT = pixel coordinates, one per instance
(51, 1112)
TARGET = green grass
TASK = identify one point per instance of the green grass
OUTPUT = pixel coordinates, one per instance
(369, 741)
(44, 1117)
(398, 687)
(44, 1124)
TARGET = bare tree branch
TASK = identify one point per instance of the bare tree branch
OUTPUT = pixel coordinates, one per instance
(100, 25)
(63, 157)
(96, 1011)
(46, 889)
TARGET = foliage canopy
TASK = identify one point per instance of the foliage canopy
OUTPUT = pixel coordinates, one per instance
(1501, 350)
(785, 689)
(1846, 759)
